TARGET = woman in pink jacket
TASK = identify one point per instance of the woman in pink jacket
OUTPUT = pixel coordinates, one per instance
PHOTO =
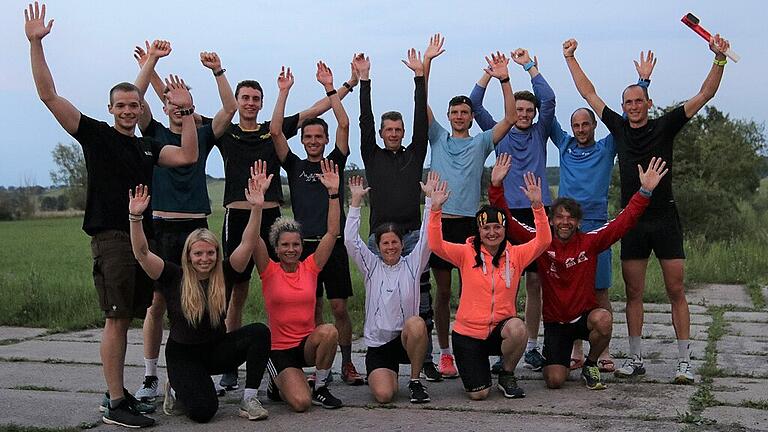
(486, 322)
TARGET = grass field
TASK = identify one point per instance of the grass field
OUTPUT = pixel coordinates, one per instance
(45, 280)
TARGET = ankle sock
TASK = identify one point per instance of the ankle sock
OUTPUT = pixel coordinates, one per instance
(446, 351)
(532, 344)
(321, 375)
(150, 367)
(683, 350)
(249, 393)
(634, 346)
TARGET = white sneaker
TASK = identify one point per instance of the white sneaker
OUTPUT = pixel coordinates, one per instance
(171, 406)
(252, 409)
(220, 391)
(683, 374)
(149, 390)
(631, 368)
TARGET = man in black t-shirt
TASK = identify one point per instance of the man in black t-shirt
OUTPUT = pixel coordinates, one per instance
(116, 161)
(310, 204)
(638, 139)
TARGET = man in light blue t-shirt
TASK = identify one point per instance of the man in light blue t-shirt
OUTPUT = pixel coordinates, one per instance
(460, 158)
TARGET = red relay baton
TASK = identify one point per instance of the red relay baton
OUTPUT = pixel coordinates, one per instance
(693, 22)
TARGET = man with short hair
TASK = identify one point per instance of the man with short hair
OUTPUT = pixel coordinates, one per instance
(526, 142)
(307, 196)
(241, 145)
(459, 158)
(180, 202)
(116, 161)
(394, 173)
(638, 139)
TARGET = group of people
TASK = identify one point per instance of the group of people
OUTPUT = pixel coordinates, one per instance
(160, 257)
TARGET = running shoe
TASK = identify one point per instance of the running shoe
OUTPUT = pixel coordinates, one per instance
(172, 406)
(430, 372)
(149, 390)
(323, 397)
(447, 366)
(126, 415)
(683, 374)
(141, 407)
(534, 360)
(631, 368)
(498, 366)
(418, 392)
(508, 385)
(350, 376)
(592, 378)
(229, 381)
(220, 391)
(252, 409)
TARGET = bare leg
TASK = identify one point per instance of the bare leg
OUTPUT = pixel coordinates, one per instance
(321, 345)
(112, 350)
(383, 384)
(604, 301)
(674, 271)
(294, 389)
(236, 304)
(343, 323)
(153, 327)
(414, 338)
(634, 279)
(600, 325)
(555, 375)
(513, 339)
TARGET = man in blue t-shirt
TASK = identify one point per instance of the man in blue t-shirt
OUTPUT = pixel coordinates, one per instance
(460, 158)
(527, 144)
(639, 138)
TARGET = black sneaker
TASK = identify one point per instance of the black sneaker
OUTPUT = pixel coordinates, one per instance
(418, 392)
(141, 407)
(430, 372)
(508, 385)
(127, 416)
(322, 396)
(229, 381)
(533, 360)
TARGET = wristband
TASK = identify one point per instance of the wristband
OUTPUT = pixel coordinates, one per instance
(188, 111)
(529, 65)
(135, 215)
(644, 80)
(505, 80)
(645, 192)
(349, 87)
(569, 56)
(135, 218)
(333, 196)
(219, 72)
(330, 93)
(720, 62)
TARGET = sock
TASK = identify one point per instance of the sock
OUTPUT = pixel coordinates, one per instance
(150, 367)
(589, 362)
(446, 351)
(346, 353)
(532, 344)
(683, 350)
(634, 346)
(113, 403)
(250, 393)
(322, 375)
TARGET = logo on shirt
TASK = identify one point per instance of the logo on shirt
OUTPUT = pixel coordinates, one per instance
(570, 262)
(582, 257)
(147, 152)
(309, 177)
(551, 254)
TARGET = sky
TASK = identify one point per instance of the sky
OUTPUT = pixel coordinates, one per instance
(91, 44)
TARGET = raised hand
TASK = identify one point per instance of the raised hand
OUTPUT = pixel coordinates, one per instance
(258, 183)
(34, 22)
(651, 177)
(414, 62)
(498, 66)
(569, 47)
(440, 195)
(646, 65)
(500, 169)
(357, 190)
(324, 75)
(717, 44)
(362, 65)
(435, 47)
(178, 92)
(159, 48)
(521, 56)
(354, 76)
(433, 178)
(285, 79)
(210, 60)
(329, 176)
(140, 54)
(138, 201)
(532, 189)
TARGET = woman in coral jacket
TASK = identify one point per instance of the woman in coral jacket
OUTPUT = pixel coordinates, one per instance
(486, 321)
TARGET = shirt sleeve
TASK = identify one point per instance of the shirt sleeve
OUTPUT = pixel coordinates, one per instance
(367, 125)
(420, 254)
(170, 278)
(437, 133)
(614, 230)
(558, 136)
(419, 138)
(531, 250)
(290, 161)
(486, 141)
(311, 265)
(482, 116)
(290, 126)
(517, 231)
(546, 97)
(357, 249)
(87, 130)
(613, 121)
(156, 147)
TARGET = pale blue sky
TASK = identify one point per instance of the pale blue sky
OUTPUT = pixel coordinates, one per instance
(90, 49)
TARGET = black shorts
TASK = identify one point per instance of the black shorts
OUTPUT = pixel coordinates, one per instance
(558, 340)
(235, 221)
(658, 230)
(289, 358)
(124, 289)
(388, 356)
(334, 278)
(455, 230)
(171, 234)
(472, 357)
(525, 215)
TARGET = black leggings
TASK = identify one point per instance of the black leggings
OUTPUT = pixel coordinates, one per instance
(190, 367)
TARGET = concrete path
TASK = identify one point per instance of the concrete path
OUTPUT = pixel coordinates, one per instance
(54, 381)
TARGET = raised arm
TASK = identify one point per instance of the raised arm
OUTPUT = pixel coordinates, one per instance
(516, 231)
(356, 247)
(708, 89)
(325, 78)
(321, 106)
(533, 248)
(420, 127)
(481, 115)
(178, 95)
(498, 67)
(252, 245)
(223, 117)
(284, 83)
(141, 55)
(35, 28)
(584, 86)
(362, 65)
(137, 203)
(330, 179)
(157, 50)
(451, 252)
(521, 57)
(434, 49)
